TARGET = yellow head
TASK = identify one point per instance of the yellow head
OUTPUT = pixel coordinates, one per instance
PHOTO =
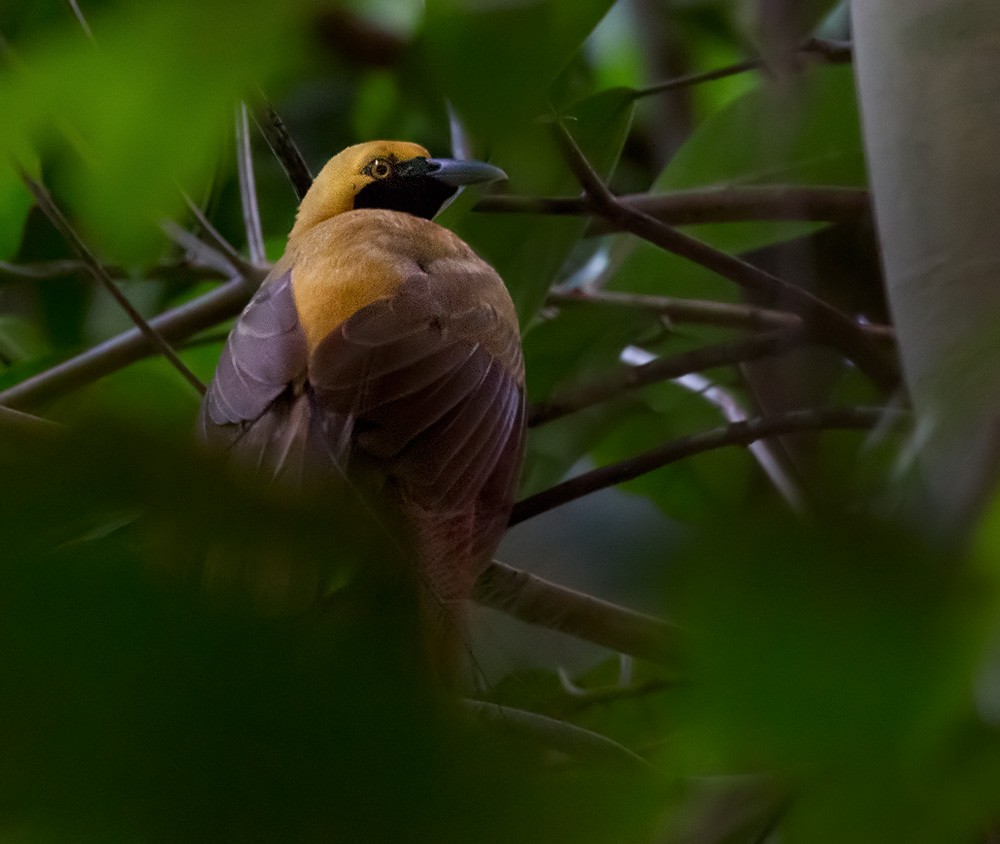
(395, 175)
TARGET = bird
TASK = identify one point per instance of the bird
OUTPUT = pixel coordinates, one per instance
(382, 353)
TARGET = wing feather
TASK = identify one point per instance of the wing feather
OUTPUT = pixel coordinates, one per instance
(428, 393)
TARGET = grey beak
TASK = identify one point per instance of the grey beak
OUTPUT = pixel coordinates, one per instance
(458, 173)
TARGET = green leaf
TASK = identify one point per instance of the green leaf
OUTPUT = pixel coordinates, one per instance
(15, 203)
(167, 671)
(838, 652)
(809, 135)
(139, 122)
(693, 489)
(495, 61)
(20, 340)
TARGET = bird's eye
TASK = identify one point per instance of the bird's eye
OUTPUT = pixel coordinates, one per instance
(379, 168)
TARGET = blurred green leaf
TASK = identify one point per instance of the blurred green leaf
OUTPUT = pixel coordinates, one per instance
(838, 653)
(494, 61)
(694, 489)
(169, 117)
(167, 673)
(808, 134)
(15, 203)
(20, 340)
(582, 341)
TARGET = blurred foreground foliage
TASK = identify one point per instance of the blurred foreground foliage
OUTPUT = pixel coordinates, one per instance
(165, 669)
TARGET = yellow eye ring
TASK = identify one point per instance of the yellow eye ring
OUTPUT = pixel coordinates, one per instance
(380, 168)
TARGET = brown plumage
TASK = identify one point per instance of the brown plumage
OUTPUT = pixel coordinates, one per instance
(381, 348)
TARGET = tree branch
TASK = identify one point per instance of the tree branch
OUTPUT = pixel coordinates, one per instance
(248, 189)
(96, 269)
(80, 19)
(705, 205)
(633, 377)
(177, 324)
(736, 433)
(824, 322)
(40, 270)
(280, 141)
(240, 264)
(691, 311)
(537, 601)
(832, 52)
(16, 422)
(562, 736)
(700, 312)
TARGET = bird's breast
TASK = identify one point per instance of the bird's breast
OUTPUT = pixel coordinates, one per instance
(353, 259)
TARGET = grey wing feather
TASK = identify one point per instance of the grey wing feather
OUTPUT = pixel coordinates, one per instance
(265, 353)
(256, 407)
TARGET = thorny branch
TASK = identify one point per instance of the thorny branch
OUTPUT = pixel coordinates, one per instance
(699, 312)
(273, 128)
(248, 188)
(832, 52)
(704, 205)
(825, 323)
(118, 352)
(629, 378)
(736, 433)
(96, 269)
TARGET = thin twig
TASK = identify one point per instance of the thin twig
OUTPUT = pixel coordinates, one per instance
(215, 238)
(80, 19)
(535, 600)
(582, 698)
(224, 302)
(54, 269)
(737, 433)
(726, 204)
(832, 52)
(563, 736)
(689, 79)
(280, 141)
(248, 188)
(41, 270)
(662, 369)
(700, 311)
(688, 311)
(96, 269)
(825, 323)
(16, 422)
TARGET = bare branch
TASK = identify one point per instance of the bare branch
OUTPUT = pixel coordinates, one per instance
(559, 735)
(186, 269)
(16, 422)
(248, 189)
(54, 269)
(830, 49)
(96, 269)
(662, 369)
(825, 323)
(280, 141)
(692, 311)
(78, 14)
(223, 246)
(222, 303)
(690, 79)
(832, 52)
(705, 205)
(736, 433)
(537, 601)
